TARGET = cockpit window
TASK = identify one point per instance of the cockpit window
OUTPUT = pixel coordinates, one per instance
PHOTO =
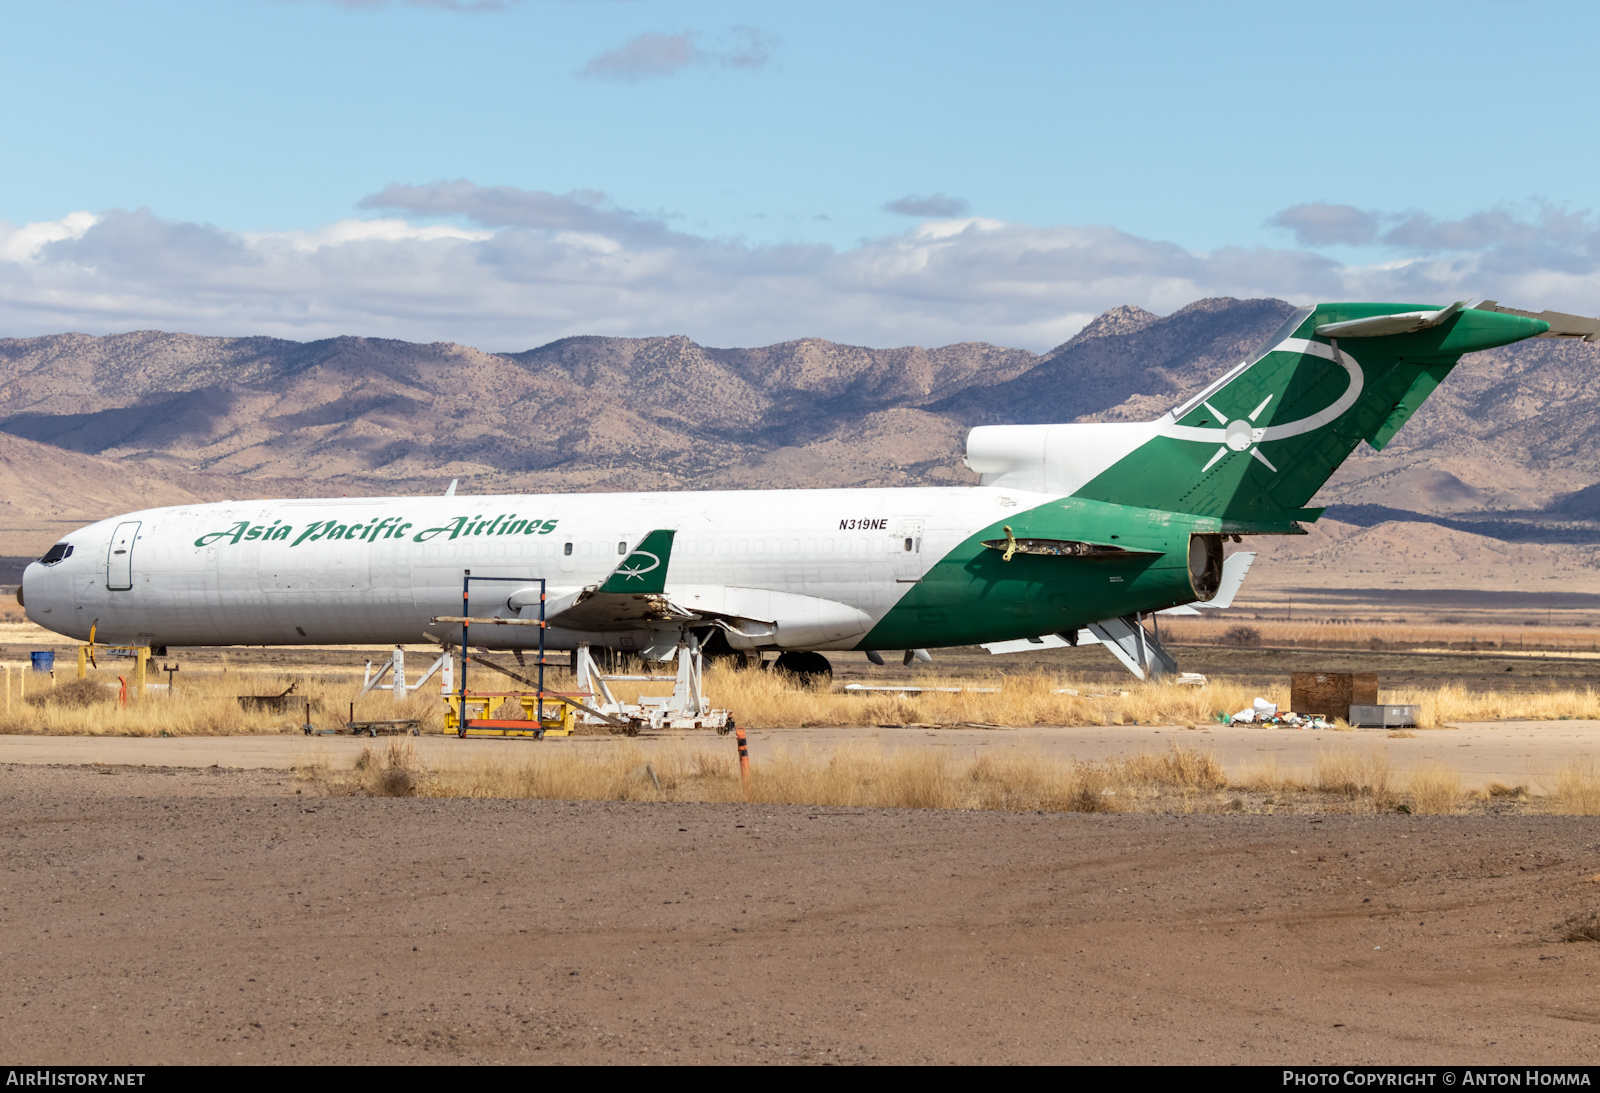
(56, 554)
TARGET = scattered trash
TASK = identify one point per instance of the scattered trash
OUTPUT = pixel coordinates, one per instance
(1190, 679)
(1262, 712)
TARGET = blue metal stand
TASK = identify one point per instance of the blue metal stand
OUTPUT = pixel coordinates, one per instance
(466, 587)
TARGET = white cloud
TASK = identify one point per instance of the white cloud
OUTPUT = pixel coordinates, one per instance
(23, 244)
(386, 229)
(537, 266)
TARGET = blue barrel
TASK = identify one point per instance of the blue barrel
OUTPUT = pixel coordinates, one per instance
(44, 662)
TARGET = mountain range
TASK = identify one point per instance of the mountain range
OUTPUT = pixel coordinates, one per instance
(1502, 461)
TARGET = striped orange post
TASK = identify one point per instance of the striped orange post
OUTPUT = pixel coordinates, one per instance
(744, 761)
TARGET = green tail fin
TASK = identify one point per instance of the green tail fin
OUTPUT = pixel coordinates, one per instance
(1256, 445)
(645, 567)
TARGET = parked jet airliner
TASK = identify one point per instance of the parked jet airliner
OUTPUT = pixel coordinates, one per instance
(1072, 525)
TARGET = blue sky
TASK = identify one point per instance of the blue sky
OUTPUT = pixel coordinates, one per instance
(505, 174)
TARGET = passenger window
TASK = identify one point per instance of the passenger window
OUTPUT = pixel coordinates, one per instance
(622, 548)
(567, 548)
(908, 546)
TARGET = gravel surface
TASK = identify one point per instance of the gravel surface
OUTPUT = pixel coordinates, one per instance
(162, 915)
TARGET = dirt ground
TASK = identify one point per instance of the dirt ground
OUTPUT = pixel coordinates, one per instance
(1515, 753)
(159, 915)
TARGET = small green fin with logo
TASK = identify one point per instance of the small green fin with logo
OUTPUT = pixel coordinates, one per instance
(645, 567)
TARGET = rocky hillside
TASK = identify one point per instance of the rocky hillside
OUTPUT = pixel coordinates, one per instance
(1506, 449)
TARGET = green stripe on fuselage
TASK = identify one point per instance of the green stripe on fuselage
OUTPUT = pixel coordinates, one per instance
(973, 595)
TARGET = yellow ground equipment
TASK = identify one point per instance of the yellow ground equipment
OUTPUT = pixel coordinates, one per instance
(560, 716)
(141, 654)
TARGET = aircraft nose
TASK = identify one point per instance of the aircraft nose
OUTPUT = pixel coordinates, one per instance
(29, 589)
(32, 590)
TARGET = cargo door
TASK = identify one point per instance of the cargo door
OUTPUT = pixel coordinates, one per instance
(906, 548)
(119, 560)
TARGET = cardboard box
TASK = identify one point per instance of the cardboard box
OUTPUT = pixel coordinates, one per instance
(1331, 694)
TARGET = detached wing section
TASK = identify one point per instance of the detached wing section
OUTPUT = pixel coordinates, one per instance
(632, 595)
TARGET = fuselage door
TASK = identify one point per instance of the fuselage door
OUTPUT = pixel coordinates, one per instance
(906, 547)
(119, 560)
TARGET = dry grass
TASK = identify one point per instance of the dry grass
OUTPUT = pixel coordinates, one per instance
(1350, 773)
(204, 703)
(765, 700)
(1434, 790)
(75, 694)
(861, 776)
(1581, 927)
(1500, 636)
(868, 776)
(1576, 791)
(1268, 776)
(394, 773)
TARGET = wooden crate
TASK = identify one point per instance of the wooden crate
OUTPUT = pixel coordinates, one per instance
(1331, 694)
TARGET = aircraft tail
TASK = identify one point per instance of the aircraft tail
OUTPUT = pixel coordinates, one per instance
(1253, 447)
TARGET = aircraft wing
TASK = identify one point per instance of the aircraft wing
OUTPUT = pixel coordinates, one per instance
(632, 594)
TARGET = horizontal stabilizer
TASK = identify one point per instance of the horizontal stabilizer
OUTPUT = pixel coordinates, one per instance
(1562, 325)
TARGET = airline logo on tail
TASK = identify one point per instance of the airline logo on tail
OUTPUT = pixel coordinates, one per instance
(645, 567)
(1241, 434)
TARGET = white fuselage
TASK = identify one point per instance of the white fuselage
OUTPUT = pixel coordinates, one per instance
(823, 565)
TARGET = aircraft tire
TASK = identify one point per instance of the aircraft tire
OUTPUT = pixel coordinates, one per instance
(812, 669)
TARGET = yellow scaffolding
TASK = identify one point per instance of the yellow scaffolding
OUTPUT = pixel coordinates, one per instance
(560, 717)
(141, 655)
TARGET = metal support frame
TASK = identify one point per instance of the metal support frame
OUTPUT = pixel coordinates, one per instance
(1135, 646)
(466, 610)
(398, 683)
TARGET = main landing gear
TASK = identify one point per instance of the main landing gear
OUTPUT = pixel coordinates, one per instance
(812, 669)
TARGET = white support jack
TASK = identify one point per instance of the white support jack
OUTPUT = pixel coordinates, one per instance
(686, 708)
(396, 664)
